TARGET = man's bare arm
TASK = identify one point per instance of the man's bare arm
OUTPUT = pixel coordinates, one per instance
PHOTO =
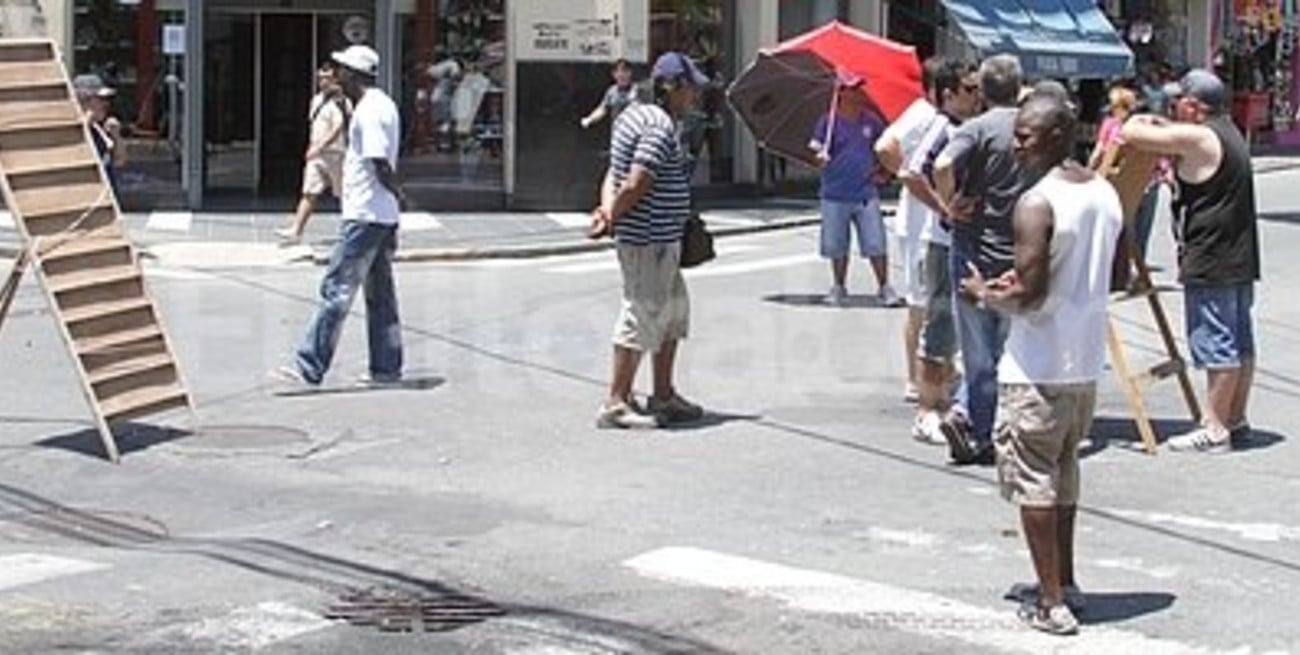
(615, 202)
(945, 178)
(1158, 135)
(889, 151)
(1025, 289)
(922, 190)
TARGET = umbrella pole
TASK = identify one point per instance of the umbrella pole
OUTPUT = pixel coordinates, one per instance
(830, 122)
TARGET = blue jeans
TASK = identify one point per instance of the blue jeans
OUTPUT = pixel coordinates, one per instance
(1220, 330)
(981, 333)
(1145, 219)
(363, 255)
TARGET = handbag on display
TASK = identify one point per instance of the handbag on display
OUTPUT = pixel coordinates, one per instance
(697, 243)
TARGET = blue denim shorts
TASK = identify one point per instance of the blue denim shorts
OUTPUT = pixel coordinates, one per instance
(863, 217)
(1219, 330)
(938, 342)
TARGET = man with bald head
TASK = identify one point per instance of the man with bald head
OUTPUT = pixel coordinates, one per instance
(1065, 230)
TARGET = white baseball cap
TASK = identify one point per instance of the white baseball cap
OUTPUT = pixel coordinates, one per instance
(360, 58)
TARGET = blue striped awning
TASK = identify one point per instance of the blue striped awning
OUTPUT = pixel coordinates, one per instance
(1069, 39)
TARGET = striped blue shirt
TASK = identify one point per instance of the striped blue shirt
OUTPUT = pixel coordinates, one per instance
(645, 135)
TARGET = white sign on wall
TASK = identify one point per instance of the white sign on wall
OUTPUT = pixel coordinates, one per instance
(173, 39)
(582, 30)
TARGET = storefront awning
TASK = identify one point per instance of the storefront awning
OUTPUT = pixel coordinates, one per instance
(1053, 38)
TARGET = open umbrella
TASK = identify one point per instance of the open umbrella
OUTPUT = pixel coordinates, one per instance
(783, 93)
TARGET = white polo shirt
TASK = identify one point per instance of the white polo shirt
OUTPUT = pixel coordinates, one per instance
(375, 133)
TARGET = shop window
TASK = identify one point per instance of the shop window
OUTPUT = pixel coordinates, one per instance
(703, 30)
(121, 44)
(452, 92)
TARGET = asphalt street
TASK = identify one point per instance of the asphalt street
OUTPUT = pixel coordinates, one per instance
(485, 512)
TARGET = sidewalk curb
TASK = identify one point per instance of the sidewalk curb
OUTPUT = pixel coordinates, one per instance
(559, 248)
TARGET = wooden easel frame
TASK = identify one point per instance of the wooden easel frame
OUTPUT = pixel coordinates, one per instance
(1130, 172)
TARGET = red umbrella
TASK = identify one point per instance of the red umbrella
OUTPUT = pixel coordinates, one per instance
(891, 70)
(787, 89)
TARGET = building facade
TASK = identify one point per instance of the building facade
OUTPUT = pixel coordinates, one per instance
(214, 92)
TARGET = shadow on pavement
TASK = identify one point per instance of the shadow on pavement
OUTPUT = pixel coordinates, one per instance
(441, 607)
(1110, 607)
(407, 384)
(712, 419)
(1280, 217)
(819, 300)
(1123, 433)
(130, 437)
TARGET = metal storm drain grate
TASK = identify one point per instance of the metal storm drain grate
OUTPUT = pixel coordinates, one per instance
(393, 611)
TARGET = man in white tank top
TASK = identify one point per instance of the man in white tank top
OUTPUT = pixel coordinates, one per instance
(1066, 228)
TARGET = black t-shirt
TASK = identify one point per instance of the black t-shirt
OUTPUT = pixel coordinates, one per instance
(1214, 221)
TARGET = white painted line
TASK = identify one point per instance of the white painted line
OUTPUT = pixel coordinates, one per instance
(886, 606)
(252, 627)
(1247, 531)
(6, 220)
(418, 222)
(30, 568)
(155, 272)
(569, 219)
(604, 261)
(170, 221)
(714, 269)
(1136, 565)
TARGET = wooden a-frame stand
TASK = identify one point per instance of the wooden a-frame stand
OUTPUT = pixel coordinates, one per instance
(72, 238)
(1130, 170)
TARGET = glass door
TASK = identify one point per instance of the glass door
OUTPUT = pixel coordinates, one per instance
(230, 76)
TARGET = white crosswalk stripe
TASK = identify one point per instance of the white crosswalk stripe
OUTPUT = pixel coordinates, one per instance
(30, 568)
(418, 222)
(896, 608)
(170, 221)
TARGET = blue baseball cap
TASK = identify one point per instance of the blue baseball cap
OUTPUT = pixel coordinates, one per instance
(1204, 86)
(673, 66)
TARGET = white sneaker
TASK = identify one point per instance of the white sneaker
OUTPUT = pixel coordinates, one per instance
(928, 429)
(1200, 440)
(836, 297)
(888, 297)
(911, 395)
(287, 236)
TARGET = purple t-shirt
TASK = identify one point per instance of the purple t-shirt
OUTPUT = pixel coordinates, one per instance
(847, 176)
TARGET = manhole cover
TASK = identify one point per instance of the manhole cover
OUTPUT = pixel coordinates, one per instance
(393, 611)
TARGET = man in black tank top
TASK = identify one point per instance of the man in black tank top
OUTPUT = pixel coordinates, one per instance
(1218, 249)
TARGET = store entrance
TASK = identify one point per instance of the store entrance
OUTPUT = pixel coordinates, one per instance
(259, 77)
(287, 85)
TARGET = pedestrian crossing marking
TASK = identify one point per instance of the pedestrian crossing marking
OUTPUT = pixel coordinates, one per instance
(170, 221)
(921, 613)
(30, 568)
(6, 220)
(569, 219)
(418, 222)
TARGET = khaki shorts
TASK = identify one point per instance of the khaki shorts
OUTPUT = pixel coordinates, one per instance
(1037, 437)
(655, 306)
(323, 173)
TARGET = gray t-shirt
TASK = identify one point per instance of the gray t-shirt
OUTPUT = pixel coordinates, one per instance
(984, 152)
(616, 99)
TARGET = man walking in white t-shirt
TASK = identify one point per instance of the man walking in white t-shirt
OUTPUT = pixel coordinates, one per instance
(367, 235)
(1065, 232)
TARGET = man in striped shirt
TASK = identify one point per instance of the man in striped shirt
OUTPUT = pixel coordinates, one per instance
(645, 201)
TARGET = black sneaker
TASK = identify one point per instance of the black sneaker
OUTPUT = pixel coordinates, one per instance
(1239, 433)
(960, 446)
